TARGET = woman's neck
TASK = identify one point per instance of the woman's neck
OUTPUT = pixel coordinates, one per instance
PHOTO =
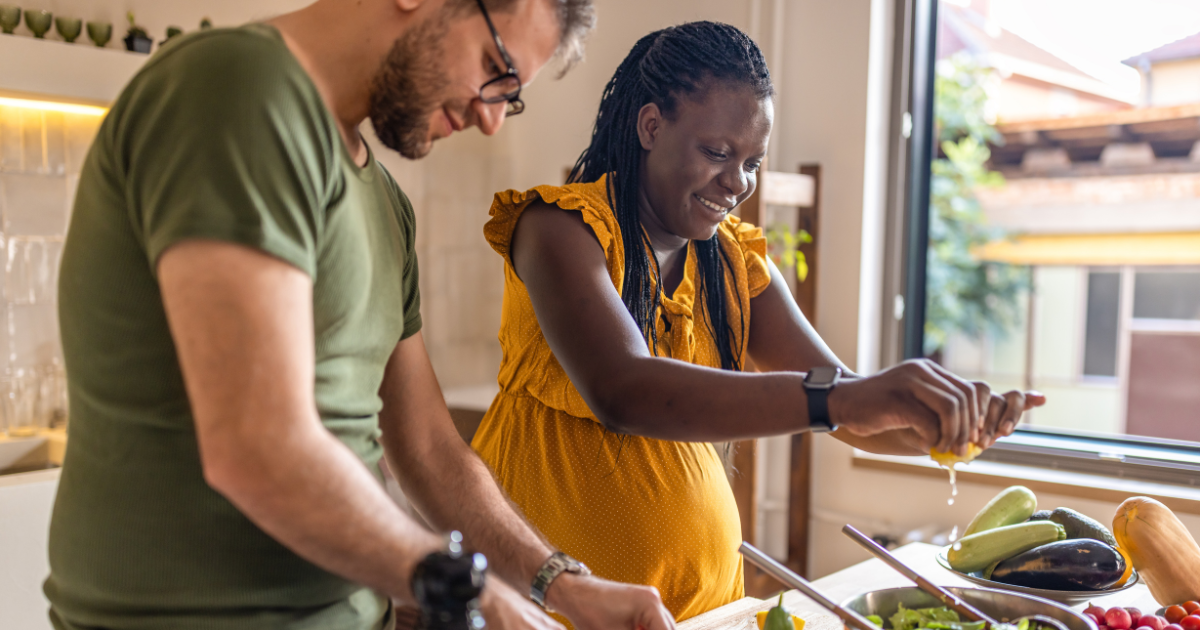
(670, 250)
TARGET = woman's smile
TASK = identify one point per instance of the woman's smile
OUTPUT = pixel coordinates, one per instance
(717, 209)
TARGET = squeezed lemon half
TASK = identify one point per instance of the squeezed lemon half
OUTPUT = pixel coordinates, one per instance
(949, 459)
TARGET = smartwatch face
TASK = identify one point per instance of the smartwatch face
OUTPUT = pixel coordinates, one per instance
(823, 375)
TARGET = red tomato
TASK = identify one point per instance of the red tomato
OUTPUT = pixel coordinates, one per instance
(1175, 614)
(1120, 619)
(1191, 607)
(1190, 622)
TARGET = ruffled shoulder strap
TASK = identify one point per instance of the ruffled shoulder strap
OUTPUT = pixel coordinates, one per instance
(752, 243)
(589, 200)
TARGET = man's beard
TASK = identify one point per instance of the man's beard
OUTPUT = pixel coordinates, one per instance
(407, 89)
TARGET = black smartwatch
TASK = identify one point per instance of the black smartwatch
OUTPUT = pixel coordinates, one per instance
(817, 385)
(447, 585)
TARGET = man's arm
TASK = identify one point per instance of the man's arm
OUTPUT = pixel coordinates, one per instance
(242, 325)
(453, 489)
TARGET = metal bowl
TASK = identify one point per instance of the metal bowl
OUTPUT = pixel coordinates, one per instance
(1001, 605)
(1067, 597)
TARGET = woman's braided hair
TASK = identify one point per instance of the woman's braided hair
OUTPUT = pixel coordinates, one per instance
(664, 65)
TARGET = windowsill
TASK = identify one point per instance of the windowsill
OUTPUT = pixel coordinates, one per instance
(1097, 487)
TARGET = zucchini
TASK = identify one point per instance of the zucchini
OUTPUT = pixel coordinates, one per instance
(1080, 526)
(977, 551)
(1012, 506)
(1081, 564)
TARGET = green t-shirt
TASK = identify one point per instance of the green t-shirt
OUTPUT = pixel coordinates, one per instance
(222, 135)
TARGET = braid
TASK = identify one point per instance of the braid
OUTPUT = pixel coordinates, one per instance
(664, 65)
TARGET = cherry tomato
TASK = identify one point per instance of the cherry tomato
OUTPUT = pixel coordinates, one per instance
(1190, 622)
(1175, 614)
(1119, 618)
(1191, 607)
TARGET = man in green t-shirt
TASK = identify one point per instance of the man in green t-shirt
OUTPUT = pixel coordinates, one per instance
(240, 321)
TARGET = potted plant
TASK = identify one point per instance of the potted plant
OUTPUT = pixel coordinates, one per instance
(136, 39)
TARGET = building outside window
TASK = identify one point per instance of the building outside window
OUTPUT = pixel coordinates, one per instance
(1083, 222)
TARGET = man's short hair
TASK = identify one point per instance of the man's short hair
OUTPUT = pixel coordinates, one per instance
(576, 18)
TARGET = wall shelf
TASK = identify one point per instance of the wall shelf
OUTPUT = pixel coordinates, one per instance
(78, 72)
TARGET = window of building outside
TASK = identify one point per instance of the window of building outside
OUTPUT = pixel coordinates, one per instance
(1064, 226)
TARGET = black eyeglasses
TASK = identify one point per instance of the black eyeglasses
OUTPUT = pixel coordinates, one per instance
(506, 87)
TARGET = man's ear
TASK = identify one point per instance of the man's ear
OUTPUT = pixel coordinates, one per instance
(649, 123)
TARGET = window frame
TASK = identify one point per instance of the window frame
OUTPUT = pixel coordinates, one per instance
(911, 154)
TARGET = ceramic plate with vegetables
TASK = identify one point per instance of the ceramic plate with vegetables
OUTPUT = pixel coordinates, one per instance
(1058, 554)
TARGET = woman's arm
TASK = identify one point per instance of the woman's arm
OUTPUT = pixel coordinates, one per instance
(782, 339)
(596, 341)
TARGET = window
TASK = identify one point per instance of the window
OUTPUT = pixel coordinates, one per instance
(1103, 315)
(1052, 239)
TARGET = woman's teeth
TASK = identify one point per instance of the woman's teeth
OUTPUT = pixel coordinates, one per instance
(712, 206)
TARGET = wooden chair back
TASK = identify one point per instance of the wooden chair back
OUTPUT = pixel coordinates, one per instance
(801, 193)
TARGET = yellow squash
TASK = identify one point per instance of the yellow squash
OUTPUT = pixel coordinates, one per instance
(1163, 551)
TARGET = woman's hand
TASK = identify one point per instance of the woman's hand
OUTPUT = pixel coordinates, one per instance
(946, 411)
(1004, 412)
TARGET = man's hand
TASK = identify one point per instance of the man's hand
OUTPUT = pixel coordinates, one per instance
(592, 603)
(505, 609)
(946, 411)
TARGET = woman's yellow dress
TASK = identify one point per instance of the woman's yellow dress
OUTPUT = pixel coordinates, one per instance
(633, 509)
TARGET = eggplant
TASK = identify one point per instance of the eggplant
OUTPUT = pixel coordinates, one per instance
(1067, 565)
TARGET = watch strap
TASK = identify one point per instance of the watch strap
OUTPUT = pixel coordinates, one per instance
(818, 410)
(819, 420)
(556, 565)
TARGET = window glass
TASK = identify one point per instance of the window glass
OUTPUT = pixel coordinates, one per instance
(1103, 318)
(1064, 237)
(1166, 295)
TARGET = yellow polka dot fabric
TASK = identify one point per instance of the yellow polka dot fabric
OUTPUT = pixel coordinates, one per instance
(633, 509)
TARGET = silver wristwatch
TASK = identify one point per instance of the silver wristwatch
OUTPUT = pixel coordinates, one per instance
(558, 563)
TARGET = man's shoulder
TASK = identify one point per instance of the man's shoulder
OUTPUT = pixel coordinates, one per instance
(231, 65)
(226, 50)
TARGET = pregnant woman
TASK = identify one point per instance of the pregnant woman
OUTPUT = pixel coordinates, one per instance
(634, 304)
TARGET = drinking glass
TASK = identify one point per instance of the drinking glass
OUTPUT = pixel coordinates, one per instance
(69, 28)
(19, 405)
(39, 22)
(100, 33)
(10, 18)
